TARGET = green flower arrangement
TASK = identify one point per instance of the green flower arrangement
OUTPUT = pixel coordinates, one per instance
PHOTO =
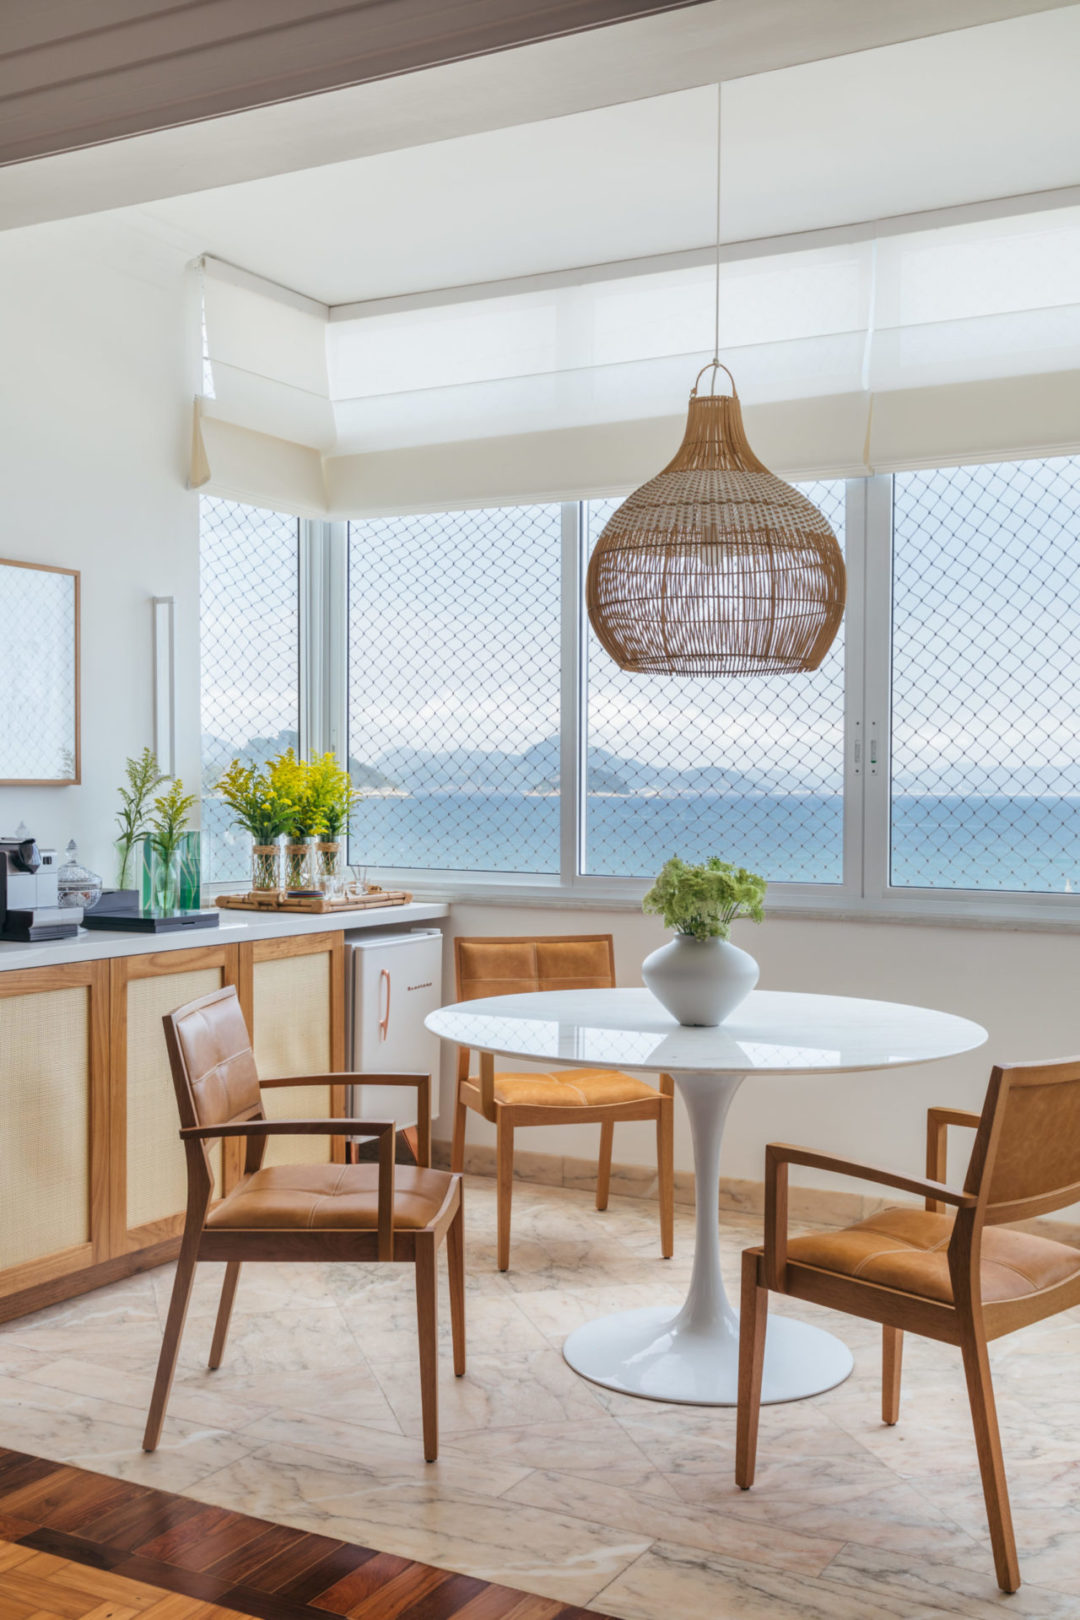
(168, 821)
(143, 777)
(258, 800)
(704, 901)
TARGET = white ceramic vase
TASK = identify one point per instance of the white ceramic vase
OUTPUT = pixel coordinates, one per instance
(700, 981)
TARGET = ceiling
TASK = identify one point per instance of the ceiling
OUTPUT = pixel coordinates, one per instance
(624, 62)
(977, 113)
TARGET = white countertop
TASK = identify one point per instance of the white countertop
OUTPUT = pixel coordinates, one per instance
(234, 928)
(772, 1032)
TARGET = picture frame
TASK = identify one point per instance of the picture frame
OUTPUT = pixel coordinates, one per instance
(40, 679)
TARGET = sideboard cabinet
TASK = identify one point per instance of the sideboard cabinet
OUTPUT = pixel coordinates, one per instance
(92, 1175)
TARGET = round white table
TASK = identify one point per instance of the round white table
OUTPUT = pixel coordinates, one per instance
(690, 1354)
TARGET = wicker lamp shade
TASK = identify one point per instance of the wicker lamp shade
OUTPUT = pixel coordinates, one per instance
(716, 566)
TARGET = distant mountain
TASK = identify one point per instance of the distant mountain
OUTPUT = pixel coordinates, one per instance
(367, 778)
(534, 770)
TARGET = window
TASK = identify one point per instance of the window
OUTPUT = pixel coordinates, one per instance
(934, 757)
(751, 769)
(986, 650)
(250, 633)
(454, 687)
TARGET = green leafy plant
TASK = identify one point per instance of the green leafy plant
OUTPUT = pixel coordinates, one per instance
(258, 800)
(704, 901)
(143, 777)
(169, 820)
(332, 790)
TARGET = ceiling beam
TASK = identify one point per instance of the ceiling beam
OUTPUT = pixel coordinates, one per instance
(74, 74)
(658, 50)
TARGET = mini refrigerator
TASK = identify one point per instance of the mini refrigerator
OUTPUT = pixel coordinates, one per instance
(394, 981)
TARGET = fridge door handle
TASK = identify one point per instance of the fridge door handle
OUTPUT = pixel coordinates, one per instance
(384, 1021)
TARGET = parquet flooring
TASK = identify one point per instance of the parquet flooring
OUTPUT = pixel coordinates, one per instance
(81, 1546)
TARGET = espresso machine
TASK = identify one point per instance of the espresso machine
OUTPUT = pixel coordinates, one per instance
(30, 906)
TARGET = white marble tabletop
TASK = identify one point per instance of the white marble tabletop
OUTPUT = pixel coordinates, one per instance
(773, 1032)
(690, 1354)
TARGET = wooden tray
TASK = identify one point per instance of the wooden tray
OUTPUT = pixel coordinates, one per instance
(278, 900)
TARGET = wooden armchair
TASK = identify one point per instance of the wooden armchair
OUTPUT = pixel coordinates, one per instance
(499, 967)
(314, 1212)
(963, 1278)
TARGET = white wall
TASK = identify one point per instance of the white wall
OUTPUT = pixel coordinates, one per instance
(94, 430)
(1021, 986)
(94, 425)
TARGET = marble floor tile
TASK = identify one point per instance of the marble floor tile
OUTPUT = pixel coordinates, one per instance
(597, 1450)
(189, 1399)
(106, 1436)
(688, 1524)
(545, 1481)
(945, 1588)
(543, 1551)
(496, 1392)
(672, 1580)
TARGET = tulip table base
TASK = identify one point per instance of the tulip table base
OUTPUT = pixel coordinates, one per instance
(690, 1353)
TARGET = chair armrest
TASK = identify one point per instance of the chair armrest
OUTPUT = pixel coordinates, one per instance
(422, 1082)
(938, 1121)
(291, 1127)
(778, 1155)
(384, 1129)
(345, 1077)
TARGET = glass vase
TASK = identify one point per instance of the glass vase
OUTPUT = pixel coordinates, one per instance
(329, 871)
(265, 867)
(128, 862)
(300, 864)
(190, 852)
(159, 880)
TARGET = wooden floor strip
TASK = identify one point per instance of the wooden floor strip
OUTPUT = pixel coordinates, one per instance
(81, 1546)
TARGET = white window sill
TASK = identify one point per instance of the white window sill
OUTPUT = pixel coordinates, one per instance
(1013, 913)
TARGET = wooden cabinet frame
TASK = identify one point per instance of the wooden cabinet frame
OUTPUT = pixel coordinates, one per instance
(114, 1250)
(125, 970)
(47, 1277)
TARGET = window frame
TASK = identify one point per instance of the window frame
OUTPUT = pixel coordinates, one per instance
(865, 890)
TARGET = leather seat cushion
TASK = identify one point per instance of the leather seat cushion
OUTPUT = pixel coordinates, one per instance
(330, 1197)
(906, 1248)
(571, 1088)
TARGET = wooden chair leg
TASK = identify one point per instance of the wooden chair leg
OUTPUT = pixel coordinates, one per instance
(665, 1175)
(504, 1186)
(224, 1315)
(603, 1168)
(753, 1321)
(892, 1351)
(991, 1462)
(455, 1256)
(170, 1344)
(457, 1143)
(427, 1327)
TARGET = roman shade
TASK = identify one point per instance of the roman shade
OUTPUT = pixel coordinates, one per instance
(874, 350)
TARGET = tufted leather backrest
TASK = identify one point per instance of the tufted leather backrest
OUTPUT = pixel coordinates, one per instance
(506, 967)
(1026, 1159)
(213, 1066)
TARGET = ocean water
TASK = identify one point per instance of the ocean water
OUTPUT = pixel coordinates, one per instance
(994, 842)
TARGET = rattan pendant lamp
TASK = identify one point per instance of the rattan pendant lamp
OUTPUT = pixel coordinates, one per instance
(716, 566)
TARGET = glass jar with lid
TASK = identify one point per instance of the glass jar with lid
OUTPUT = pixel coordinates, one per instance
(76, 885)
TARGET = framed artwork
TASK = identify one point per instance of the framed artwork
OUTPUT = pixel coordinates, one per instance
(39, 675)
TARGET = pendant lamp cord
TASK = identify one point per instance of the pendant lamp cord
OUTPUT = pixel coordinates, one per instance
(719, 197)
